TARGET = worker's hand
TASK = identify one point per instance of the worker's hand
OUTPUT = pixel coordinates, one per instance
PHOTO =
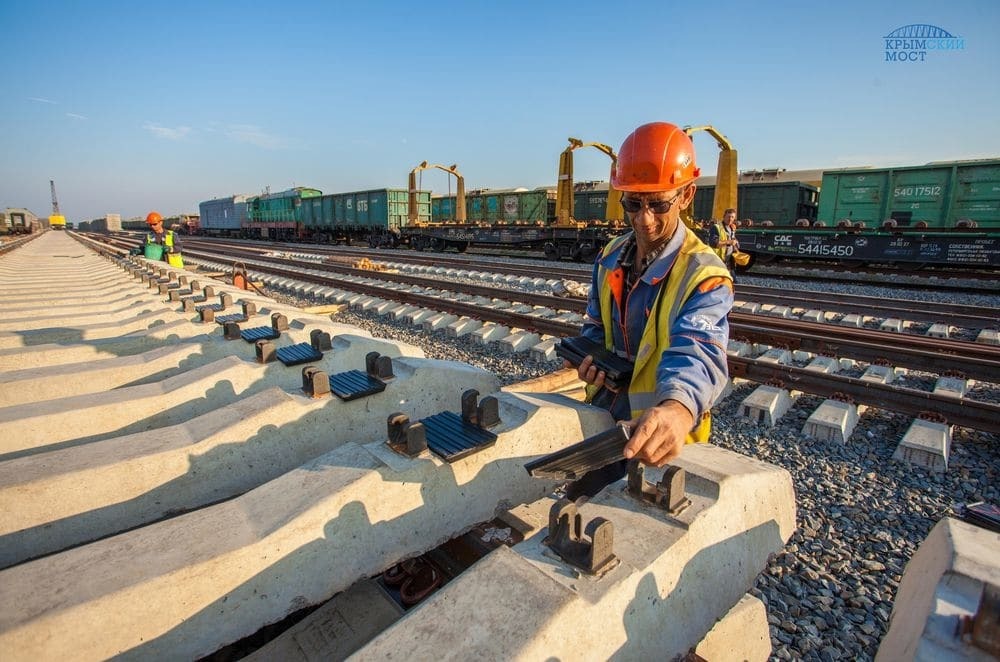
(589, 373)
(658, 435)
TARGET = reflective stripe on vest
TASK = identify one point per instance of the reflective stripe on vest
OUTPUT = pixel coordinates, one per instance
(723, 236)
(694, 264)
(168, 238)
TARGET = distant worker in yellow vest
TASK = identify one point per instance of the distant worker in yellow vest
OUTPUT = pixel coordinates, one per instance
(162, 244)
(659, 298)
(722, 238)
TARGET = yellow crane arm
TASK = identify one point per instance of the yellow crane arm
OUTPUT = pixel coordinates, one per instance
(725, 177)
(564, 188)
(459, 193)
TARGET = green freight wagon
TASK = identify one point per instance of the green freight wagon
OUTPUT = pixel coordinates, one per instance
(942, 195)
(355, 215)
(443, 209)
(509, 207)
(782, 203)
(590, 205)
(279, 208)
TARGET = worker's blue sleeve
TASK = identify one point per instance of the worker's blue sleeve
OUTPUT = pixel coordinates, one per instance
(694, 369)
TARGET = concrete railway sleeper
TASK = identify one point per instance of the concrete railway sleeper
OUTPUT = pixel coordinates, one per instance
(259, 491)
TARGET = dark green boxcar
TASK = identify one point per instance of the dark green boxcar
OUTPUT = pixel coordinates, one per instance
(782, 203)
(590, 205)
(378, 208)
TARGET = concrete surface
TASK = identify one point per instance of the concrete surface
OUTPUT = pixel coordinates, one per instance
(943, 581)
(186, 586)
(73, 495)
(676, 577)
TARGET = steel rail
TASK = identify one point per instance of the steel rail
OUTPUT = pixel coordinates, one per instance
(956, 411)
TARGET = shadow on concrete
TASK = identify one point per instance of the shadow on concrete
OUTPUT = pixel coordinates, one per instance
(644, 617)
(352, 545)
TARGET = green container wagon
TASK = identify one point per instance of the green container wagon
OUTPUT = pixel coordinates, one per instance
(782, 203)
(934, 196)
(590, 205)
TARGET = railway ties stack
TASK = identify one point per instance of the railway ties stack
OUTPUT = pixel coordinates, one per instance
(168, 490)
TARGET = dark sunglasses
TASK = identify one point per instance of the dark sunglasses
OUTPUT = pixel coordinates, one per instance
(634, 205)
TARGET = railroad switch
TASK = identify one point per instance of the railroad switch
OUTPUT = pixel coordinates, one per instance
(667, 494)
(590, 550)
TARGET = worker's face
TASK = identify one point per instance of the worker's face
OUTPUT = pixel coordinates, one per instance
(653, 216)
(157, 227)
(729, 218)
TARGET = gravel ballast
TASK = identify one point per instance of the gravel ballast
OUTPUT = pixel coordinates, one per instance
(860, 514)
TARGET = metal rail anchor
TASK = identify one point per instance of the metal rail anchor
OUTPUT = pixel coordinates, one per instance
(667, 494)
(591, 552)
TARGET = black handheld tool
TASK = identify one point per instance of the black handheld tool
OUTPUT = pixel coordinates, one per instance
(617, 371)
(574, 461)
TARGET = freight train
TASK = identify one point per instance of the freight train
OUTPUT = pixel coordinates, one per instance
(945, 213)
(940, 213)
(15, 220)
(381, 218)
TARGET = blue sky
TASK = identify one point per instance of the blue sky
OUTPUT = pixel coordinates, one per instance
(134, 106)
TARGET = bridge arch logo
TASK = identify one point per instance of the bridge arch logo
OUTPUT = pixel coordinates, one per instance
(912, 43)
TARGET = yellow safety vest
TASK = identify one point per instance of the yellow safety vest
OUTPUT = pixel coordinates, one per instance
(694, 264)
(173, 259)
(723, 236)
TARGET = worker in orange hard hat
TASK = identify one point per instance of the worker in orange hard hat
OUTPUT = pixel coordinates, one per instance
(162, 244)
(659, 299)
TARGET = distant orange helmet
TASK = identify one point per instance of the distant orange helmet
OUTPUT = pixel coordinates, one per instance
(655, 157)
(153, 218)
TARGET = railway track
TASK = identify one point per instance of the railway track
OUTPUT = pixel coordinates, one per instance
(946, 357)
(254, 412)
(944, 280)
(966, 316)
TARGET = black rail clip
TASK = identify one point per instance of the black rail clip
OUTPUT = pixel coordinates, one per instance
(231, 331)
(320, 340)
(667, 494)
(485, 414)
(592, 551)
(266, 351)
(315, 382)
(405, 437)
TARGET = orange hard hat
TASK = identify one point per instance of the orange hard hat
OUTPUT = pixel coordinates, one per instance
(153, 218)
(655, 157)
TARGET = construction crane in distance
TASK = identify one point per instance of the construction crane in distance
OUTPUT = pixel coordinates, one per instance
(56, 220)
